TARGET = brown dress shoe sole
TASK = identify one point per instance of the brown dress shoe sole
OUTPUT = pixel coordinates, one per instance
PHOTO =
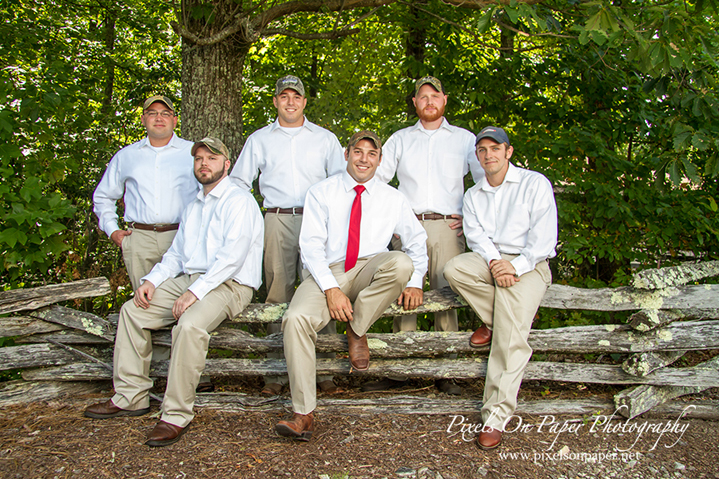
(120, 413)
(167, 442)
(286, 431)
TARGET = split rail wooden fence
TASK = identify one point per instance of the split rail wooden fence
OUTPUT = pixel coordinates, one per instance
(63, 351)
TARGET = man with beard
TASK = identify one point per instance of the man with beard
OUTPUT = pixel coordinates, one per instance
(510, 219)
(208, 275)
(348, 222)
(290, 155)
(155, 177)
(431, 159)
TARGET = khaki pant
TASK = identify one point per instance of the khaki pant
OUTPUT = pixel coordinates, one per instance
(371, 286)
(443, 244)
(142, 250)
(509, 312)
(190, 340)
(282, 264)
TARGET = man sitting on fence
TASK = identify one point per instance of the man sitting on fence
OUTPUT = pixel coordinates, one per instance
(510, 222)
(208, 275)
(350, 276)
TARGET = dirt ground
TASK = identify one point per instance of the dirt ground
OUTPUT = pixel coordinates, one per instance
(49, 440)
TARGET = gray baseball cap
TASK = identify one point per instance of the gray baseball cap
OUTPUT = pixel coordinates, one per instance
(495, 133)
(289, 81)
(212, 144)
(365, 135)
(428, 80)
(161, 99)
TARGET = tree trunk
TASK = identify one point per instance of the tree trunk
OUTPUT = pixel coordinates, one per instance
(212, 80)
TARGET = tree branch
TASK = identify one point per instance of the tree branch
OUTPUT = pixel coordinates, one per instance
(310, 36)
(212, 39)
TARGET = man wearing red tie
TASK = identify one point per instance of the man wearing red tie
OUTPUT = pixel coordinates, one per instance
(350, 276)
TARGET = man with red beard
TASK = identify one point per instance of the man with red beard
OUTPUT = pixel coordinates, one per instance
(431, 159)
(208, 275)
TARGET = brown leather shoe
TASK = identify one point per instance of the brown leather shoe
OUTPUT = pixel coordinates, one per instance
(271, 389)
(165, 434)
(481, 337)
(107, 409)
(328, 387)
(358, 349)
(299, 428)
(489, 438)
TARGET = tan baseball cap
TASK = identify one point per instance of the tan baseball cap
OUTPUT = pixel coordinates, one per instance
(161, 99)
(212, 144)
(365, 135)
(428, 80)
(289, 81)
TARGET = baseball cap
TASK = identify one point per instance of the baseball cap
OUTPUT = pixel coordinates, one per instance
(161, 99)
(365, 135)
(212, 144)
(289, 81)
(428, 80)
(495, 133)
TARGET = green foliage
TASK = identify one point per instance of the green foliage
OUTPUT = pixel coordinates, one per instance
(615, 102)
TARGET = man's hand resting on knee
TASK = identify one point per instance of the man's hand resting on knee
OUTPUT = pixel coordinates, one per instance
(339, 305)
(182, 303)
(143, 295)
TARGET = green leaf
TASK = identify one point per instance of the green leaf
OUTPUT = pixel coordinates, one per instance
(485, 21)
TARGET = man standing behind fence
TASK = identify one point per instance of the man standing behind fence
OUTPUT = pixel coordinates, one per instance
(510, 221)
(208, 275)
(431, 159)
(155, 177)
(290, 155)
(348, 222)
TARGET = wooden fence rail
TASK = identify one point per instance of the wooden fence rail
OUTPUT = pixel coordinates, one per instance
(668, 321)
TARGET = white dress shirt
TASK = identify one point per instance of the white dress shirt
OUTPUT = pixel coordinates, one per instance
(289, 163)
(431, 166)
(157, 183)
(517, 217)
(385, 211)
(221, 236)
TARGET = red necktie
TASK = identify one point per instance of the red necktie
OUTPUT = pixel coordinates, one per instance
(354, 233)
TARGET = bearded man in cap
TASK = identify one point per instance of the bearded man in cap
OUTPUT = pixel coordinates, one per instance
(208, 275)
(154, 175)
(510, 220)
(290, 155)
(348, 222)
(431, 159)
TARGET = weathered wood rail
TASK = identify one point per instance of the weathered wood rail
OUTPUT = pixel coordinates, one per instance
(669, 321)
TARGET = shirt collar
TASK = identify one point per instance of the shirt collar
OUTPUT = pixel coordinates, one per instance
(305, 124)
(512, 176)
(174, 142)
(349, 182)
(217, 191)
(444, 125)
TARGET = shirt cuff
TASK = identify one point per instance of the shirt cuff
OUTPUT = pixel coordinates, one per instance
(326, 282)
(111, 227)
(521, 264)
(416, 281)
(491, 255)
(153, 277)
(200, 288)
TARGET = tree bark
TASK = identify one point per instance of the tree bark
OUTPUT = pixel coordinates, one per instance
(212, 78)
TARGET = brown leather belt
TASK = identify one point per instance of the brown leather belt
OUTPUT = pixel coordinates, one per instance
(297, 210)
(433, 216)
(159, 228)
